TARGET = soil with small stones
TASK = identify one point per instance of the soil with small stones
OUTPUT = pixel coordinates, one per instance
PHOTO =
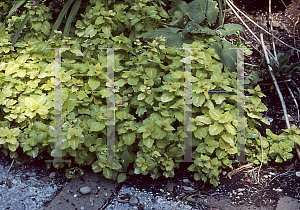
(264, 195)
(284, 177)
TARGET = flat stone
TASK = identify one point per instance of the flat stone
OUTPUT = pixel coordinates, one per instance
(287, 203)
(85, 190)
(52, 175)
(186, 188)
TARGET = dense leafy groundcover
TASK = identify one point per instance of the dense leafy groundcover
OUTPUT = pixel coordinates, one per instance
(149, 93)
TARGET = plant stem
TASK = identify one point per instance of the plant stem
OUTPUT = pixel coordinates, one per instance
(278, 91)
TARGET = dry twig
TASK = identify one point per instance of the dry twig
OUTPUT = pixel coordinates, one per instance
(10, 165)
(271, 28)
(235, 171)
(278, 91)
(231, 6)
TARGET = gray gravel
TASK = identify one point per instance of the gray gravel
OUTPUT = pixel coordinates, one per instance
(145, 199)
(24, 190)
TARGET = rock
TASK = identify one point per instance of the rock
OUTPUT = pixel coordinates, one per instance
(298, 173)
(170, 187)
(186, 180)
(161, 190)
(46, 179)
(277, 190)
(85, 190)
(133, 201)
(52, 175)
(186, 188)
(30, 174)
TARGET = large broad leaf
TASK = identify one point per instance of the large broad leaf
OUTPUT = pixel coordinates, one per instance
(227, 56)
(198, 9)
(106, 31)
(230, 128)
(230, 29)
(192, 27)
(172, 37)
(107, 172)
(228, 138)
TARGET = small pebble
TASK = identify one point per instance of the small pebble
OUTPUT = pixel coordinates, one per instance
(85, 190)
(133, 201)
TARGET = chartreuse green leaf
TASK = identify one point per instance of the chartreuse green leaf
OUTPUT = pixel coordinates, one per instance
(74, 142)
(133, 80)
(166, 97)
(151, 72)
(129, 138)
(178, 74)
(198, 99)
(106, 31)
(90, 31)
(203, 119)
(295, 138)
(76, 51)
(121, 115)
(114, 165)
(179, 116)
(200, 133)
(215, 114)
(93, 83)
(220, 153)
(121, 177)
(140, 161)
(227, 117)
(97, 126)
(228, 138)
(230, 128)
(107, 172)
(141, 96)
(218, 98)
(161, 143)
(215, 129)
(148, 142)
(46, 28)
